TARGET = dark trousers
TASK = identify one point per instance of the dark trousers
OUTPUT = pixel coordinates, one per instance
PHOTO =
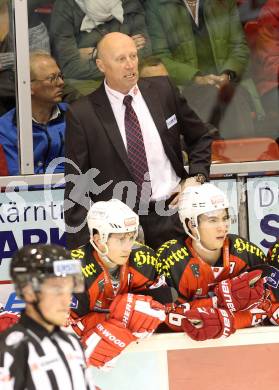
(159, 229)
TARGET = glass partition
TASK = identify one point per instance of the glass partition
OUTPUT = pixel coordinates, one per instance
(7, 57)
(222, 54)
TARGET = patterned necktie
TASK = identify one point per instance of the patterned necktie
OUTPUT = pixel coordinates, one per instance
(135, 146)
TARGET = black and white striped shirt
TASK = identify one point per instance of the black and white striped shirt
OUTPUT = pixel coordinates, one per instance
(32, 358)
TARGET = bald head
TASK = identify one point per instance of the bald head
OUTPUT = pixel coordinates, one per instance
(117, 59)
(110, 42)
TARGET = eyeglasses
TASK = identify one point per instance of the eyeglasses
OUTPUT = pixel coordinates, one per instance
(53, 78)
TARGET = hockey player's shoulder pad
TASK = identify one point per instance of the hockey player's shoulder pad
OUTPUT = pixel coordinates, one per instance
(273, 254)
(89, 266)
(144, 260)
(173, 256)
(247, 251)
(78, 253)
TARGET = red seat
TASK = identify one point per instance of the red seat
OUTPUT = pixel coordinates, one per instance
(251, 32)
(3, 163)
(44, 9)
(245, 149)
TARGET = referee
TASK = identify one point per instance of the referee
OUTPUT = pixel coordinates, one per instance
(35, 353)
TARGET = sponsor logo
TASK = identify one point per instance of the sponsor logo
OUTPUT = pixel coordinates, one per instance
(142, 257)
(110, 336)
(227, 295)
(77, 254)
(195, 268)
(173, 258)
(273, 279)
(226, 322)
(66, 267)
(128, 310)
(130, 221)
(89, 270)
(244, 246)
(217, 199)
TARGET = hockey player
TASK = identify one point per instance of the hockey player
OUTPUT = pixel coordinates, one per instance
(204, 267)
(35, 353)
(114, 268)
(268, 311)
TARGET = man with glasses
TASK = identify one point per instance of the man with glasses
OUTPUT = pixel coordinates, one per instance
(48, 117)
(208, 268)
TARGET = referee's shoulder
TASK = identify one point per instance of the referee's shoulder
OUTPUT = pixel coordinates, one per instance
(13, 337)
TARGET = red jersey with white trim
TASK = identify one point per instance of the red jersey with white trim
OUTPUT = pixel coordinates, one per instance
(101, 286)
(193, 278)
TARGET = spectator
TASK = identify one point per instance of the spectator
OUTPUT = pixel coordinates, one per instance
(78, 25)
(100, 137)
(266, 64)
(204, 50)
(249, 9)
(152, 66)
(38, 40)
(47, 117)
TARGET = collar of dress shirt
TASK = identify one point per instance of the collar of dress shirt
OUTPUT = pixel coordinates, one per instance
(117, 97)
(54, 115)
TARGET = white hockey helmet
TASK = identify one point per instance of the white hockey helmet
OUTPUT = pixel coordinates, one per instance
(198, 200)
(112, 216)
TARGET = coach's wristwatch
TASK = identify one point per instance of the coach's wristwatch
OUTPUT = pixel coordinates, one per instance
(200, 178)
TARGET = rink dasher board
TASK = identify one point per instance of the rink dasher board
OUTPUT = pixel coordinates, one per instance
(37, 216)
(173, 361)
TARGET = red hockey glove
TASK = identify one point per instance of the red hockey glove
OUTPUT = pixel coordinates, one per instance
(273, 314)
(138, 313)
(204, 323)
(7, 319)
(256, 315)
(271, 306)
(241, 291)
(106, 341)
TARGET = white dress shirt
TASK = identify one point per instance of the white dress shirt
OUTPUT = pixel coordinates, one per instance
(162, 175)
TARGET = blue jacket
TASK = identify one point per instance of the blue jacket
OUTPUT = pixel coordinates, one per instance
(48, 141)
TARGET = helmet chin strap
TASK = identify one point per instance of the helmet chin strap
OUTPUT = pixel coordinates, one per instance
(36, 303)
(199, 244)
(203, 247)
(39, 311)
(104, 255)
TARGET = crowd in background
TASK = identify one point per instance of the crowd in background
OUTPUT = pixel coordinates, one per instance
(222, 54)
